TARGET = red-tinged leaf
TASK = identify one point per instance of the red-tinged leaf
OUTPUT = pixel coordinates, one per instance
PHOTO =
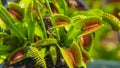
(91, 25)
(54, 8)
(88, 25)
(86, 40)
(76, 53)
(16, 11)
(67, 57)
(60, 20)
(85, 58)
(17, 56)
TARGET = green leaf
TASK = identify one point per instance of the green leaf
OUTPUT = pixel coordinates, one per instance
(5, 48)
(53, 53)
(2, 58)
(2, 24)
(83, 65)
(63, 5)
(30, 20)
(38, 31)
(78, 17)
(23, 27)
(10, 22)
(31, 30)
(72, 34)
(45, 42)
(60, 20)
(41, 18)
(24, 3)
(62, 33)
(67, 57)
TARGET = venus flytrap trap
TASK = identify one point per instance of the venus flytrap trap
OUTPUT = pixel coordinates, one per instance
(17, 55)
(43, 29)
(16, 11)
(112, 20)
(46, 42)
(38, 55)
(53, 53)
(87, 41)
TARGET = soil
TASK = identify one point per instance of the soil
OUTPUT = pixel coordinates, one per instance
(30, 63)
(26, 63)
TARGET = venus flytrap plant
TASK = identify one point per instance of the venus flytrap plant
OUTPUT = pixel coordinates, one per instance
(81, 28)
(56, 19)
(15, 31)
(70, 35)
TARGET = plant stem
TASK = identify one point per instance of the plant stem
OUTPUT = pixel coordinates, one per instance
(65, 7)
(49, 8)
(41, 19)
(51, 14)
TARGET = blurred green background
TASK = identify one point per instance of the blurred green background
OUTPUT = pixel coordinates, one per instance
(106, 51)
(107, 41)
